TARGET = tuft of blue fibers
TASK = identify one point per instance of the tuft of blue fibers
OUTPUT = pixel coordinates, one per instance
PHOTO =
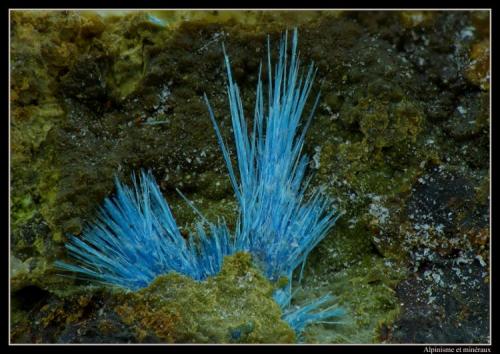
(277, 223)
(135, 237)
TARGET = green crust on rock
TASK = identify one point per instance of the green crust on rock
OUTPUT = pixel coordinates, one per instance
(234, 306)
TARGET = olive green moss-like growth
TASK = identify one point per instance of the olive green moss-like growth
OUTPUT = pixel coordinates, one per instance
(367, 288)
(234, 306)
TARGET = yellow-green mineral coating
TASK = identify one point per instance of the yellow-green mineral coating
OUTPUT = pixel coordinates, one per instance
(234, 306)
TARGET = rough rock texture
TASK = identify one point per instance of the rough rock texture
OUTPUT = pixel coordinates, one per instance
(400, 141)
(232, 307)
